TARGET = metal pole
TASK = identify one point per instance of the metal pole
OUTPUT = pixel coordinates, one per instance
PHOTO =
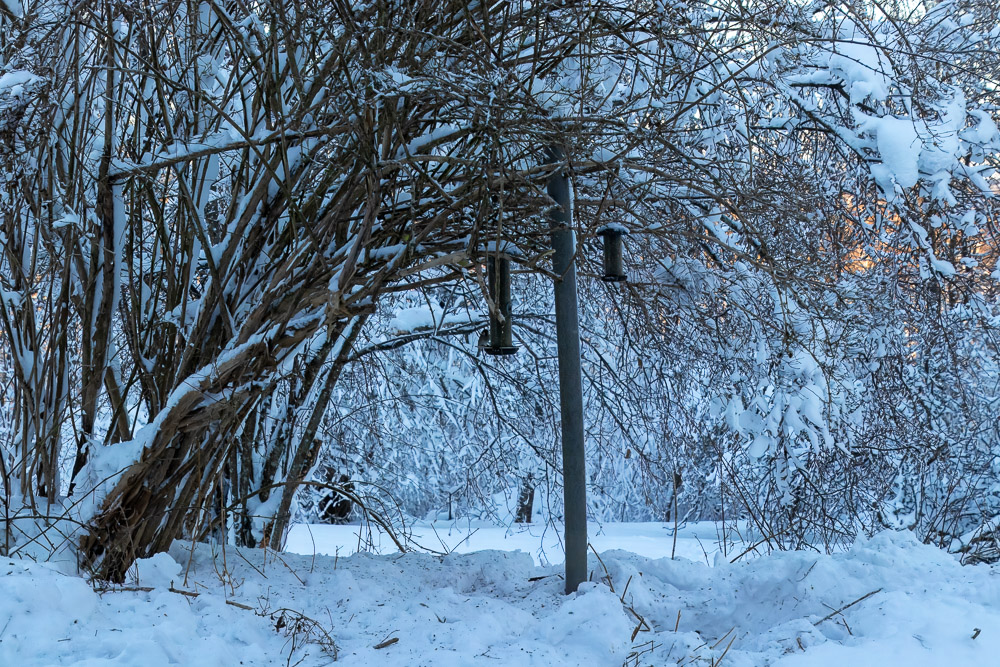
(570, 381)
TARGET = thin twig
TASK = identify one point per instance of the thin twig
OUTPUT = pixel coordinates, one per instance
(846, 606)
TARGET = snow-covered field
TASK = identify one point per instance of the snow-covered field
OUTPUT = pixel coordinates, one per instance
(695, 541)
(887, 601)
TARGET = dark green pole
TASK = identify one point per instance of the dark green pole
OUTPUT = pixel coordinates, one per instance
(570, 379)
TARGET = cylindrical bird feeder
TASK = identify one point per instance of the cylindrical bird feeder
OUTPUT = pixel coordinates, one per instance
(501, 324)
(614, 265)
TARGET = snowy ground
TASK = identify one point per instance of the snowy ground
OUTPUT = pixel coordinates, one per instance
(703, 541)
(888, 601)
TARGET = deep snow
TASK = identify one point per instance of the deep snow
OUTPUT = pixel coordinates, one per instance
(498, 607)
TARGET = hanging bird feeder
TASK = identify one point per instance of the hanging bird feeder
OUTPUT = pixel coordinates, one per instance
(614, 265)
(501, 340)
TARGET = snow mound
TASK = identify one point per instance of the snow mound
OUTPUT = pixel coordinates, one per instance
(889, 600)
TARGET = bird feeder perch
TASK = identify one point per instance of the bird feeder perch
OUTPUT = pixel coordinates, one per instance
(501, 324)
(614, 265)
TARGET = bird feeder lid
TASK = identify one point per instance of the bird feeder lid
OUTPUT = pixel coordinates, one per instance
(612, 228)
(502, 249)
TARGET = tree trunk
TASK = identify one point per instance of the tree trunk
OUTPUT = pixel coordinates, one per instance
(526, 501)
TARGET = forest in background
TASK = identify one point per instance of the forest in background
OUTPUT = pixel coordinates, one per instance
(244, 246)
